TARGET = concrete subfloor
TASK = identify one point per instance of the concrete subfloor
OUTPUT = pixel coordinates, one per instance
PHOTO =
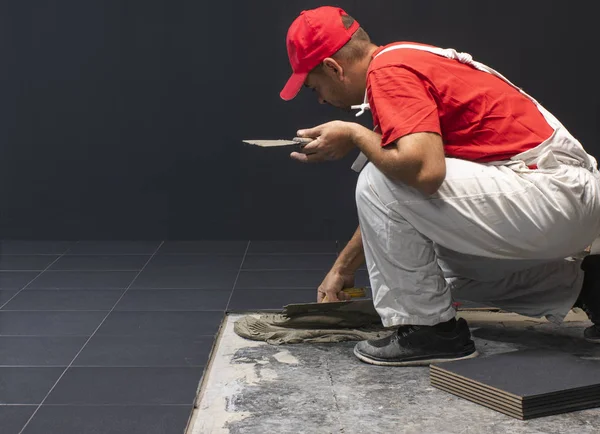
(254, 387)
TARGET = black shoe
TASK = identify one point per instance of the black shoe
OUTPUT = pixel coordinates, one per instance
(419, 346)
(589, 298)
(592, 334)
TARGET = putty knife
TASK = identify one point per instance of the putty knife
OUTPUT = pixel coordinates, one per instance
(296, 141)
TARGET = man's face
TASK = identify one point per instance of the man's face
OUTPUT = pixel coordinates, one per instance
(329, 89)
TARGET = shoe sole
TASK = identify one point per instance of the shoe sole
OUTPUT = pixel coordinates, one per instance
(424, 362)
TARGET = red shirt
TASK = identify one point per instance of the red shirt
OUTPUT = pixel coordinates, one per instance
(479, 116)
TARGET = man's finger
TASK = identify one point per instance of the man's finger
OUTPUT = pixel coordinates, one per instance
(307, 158)
(343, 296)
(332, 296)
(310, 132)
(309, 148)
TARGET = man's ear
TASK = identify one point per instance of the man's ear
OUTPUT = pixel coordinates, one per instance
(332, 67)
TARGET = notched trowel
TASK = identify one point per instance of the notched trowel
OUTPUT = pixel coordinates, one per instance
(314, 307)
(296, 141)
(339, 314)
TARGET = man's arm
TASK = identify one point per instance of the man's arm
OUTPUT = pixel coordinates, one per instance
(353, 255)
(342, 273)
(417, 160)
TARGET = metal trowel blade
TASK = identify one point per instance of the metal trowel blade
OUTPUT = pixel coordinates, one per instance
(278, 142)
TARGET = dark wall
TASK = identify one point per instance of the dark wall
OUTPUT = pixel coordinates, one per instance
(124, 119)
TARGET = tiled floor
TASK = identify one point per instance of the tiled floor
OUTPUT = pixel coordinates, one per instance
(113, 337)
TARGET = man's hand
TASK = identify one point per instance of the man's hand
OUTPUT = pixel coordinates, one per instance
(332, 141)
(332, 286)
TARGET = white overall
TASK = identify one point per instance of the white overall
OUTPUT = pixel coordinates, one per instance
(495, 233)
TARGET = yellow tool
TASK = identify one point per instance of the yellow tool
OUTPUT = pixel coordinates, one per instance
(352, 292)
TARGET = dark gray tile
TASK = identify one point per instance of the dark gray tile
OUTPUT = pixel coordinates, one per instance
(49, 323)
(173, 299)
(204, 247)
(290, 279)
(291, 247)
(269, 299)
(280, 279)
(186, 278)
(146, 351)
(16, 279)
(64, 299)
(24, 247)
(14, 417)
(110, 419)
(321, 261)
(25, 262)
(200, 262)
(84, 280)
(100, 262)
(114, 248)
(176, 324)
(126, 386)
(26, 385)
(362, 279)
(7, 294)
(39, 350)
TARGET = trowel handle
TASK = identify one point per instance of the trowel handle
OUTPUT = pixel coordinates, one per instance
(302, 140)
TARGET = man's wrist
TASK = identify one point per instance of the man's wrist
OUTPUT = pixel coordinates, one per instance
(343, 269)
(354, 134)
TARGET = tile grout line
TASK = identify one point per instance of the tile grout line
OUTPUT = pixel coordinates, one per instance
(73, 270)
(237, 277)
(88, 340)
(35, 278)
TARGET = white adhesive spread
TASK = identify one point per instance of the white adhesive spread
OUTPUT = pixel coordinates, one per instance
(285, 357)
(225, 381)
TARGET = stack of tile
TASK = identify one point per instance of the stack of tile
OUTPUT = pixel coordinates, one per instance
(523, 384)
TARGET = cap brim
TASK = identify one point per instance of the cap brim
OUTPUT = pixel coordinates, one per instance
(293, 86)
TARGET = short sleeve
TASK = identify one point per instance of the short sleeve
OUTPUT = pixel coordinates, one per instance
(401, 103)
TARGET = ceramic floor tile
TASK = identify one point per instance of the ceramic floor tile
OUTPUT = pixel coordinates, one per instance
(49, 323)
(25, 262)
(200, 262)
(173, 299)
(149, 351)
(101, 262)
(280, 279)
(321, 261)
(204, 247)
(14, 417)
(186, 278)
(109, 420)
(291, 247)
(16, 279)
(26, 385)
(25, 247)
(64, 299)
(39, 350)
(6, 294)
(114, 248)
(126, 386)
(362, 279)
(84, 280)
(269, 299)
(176, 324)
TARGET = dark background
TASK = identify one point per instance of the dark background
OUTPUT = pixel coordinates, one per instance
(124, 119)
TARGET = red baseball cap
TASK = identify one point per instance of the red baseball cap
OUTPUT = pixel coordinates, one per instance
(315, 35)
